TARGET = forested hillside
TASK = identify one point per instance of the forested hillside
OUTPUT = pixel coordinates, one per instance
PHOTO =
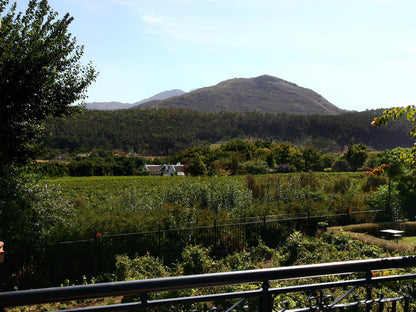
(165, 131)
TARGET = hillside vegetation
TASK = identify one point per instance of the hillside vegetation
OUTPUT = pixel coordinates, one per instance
(166, 131)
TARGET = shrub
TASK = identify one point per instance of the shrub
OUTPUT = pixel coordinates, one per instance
(255, 166)
(410, 228)
(257, 190)
(341, 165)
(143, 267)
(369, 228)
(195, 260)
(372, 183)
(341, 185)
(309, 179)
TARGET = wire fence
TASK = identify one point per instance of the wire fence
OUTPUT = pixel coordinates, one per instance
(71, 259)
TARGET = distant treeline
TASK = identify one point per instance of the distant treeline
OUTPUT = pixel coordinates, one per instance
(237, 157)
(166, 131)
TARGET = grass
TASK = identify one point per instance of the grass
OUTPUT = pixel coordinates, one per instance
(410, 240)
(390, 245)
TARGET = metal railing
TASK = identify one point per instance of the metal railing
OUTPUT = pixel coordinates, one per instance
(91, 257)
(360, 285)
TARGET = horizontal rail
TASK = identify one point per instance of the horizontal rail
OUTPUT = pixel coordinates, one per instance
(246, 294)
(47, 295)
(218, 224)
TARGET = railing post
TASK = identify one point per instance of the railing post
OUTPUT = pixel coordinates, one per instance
(369, 286)
(266, 300)
(143, 298)
(347, 216)
(380, 302)
(407, 297)
(215, 232)
(159, 236)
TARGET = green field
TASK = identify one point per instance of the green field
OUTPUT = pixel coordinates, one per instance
(113, 205)
(167, 207)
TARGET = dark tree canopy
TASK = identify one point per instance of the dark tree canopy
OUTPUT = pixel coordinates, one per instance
(40, 76)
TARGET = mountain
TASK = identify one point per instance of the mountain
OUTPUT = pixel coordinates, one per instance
(108, 105)
(117, 105)
(162, 96)
(264, 93)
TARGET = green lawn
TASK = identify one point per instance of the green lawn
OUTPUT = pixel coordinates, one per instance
(411, 240)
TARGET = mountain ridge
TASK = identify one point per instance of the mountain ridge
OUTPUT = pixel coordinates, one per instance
(162, 96)
(263, 93)
(118, 105)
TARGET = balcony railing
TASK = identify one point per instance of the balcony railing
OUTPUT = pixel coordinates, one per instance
(363, 285)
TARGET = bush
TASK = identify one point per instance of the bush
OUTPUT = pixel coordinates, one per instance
(341, 165)
(255, 166)
(32, 215)
(341, 185)
(410, 228)
(195, 260)
(372, 183)
(143, 267)
(369, 228)
(309, 179)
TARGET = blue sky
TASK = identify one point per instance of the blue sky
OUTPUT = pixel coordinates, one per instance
(358, 54)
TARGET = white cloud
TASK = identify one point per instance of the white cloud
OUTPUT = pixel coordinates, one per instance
(152, 19)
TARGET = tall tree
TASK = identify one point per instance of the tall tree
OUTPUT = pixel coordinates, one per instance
(406, 157)
(41, 75)
(356, 155)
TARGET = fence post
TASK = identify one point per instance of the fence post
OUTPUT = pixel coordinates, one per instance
(347, 216)
(369, 287)
(266, 300)
(215, 232)
(158, 237)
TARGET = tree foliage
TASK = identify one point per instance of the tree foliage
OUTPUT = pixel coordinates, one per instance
(40, 76)
(166, 131)
(399, 165)
(356, 155)
(394, 114)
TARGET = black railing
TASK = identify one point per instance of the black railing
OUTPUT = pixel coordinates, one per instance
(91, 257)
(361, 285)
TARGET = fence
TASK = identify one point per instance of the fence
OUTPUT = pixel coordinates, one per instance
(361, 285)
(73, 259)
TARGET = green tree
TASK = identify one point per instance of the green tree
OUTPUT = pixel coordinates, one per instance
(395, 160)
(311, 156)
(356, 155)
(197, 166)
(41, 75)
(282, 153)
(408, 157)
(341, 165)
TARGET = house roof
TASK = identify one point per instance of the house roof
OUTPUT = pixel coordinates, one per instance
(165, 168)
(153, 168)
(180, 168)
